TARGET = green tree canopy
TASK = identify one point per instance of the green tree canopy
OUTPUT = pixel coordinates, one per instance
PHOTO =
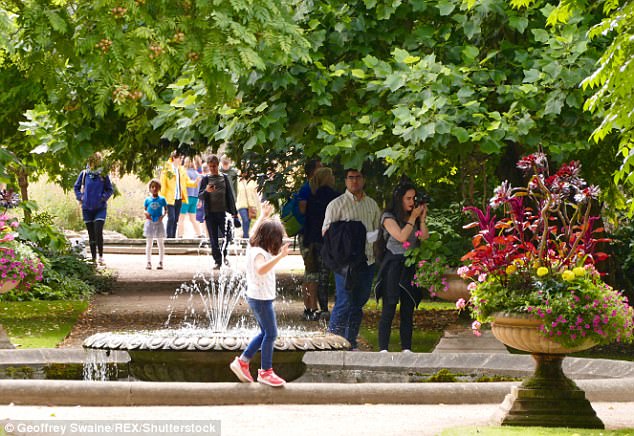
(79, 76)
(612, 78)
(437, 89)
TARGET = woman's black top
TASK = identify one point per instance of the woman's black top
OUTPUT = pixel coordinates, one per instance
(315, 213)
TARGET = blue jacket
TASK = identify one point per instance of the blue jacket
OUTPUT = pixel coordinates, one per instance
(97, 189)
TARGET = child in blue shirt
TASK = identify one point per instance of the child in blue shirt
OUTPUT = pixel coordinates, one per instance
(155, 210)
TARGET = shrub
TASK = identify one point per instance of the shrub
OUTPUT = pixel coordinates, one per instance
(66, 277)
(43, 234)
(125, 211)
(128, 227)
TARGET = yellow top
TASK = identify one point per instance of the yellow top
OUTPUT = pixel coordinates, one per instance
(168, 182)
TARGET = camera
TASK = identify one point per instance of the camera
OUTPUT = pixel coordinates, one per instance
(422, 197)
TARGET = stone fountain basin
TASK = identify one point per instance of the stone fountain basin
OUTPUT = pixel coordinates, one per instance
(199, 355)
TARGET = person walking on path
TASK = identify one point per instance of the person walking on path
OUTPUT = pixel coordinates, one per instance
(215, 191)
(174, 181)
(353, 206)
(316, 275)
(226, 168)
(200, 206)
(248, 203)
(188, 210)
(93, 189)
(303, 194)
(266, 249)
(155, 210)
(404, 224)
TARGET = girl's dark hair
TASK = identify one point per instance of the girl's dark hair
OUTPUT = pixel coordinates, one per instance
(153, 182)
(396, 207)
(268, 236)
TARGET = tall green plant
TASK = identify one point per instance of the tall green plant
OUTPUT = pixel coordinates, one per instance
(611, 80)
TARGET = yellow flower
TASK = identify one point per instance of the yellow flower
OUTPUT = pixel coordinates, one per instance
(510, 269)
(568, 275)
(542, 271)
(579, 271)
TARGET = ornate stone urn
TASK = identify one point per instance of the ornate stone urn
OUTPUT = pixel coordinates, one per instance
(8, 285)
(548, 398)
(456, 287)
(4, 338)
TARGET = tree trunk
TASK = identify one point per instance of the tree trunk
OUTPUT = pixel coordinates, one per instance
(23, 183)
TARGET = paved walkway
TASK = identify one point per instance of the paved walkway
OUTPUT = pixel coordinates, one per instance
(305, 420)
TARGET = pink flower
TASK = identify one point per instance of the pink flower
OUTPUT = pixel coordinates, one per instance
(462, 271)
(461, 304)
(501, 194)
(418, 234)
(406, 245)
(537, 160)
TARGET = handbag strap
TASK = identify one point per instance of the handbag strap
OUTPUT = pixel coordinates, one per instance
(246, 193)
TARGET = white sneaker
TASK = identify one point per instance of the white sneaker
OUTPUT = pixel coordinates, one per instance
(383, 351)
(406, 351)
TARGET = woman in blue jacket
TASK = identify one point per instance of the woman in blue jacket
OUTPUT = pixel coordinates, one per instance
(92, 190)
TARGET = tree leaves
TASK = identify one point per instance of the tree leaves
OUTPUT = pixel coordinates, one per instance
(108, 65)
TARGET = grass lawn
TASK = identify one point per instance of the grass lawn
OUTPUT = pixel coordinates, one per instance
(39, 324)
(372, 304)
(423, 341)
(533, 431)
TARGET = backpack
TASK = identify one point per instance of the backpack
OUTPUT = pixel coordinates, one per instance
(380, 245)
(291, 217)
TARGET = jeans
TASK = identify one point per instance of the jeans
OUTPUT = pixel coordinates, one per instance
(346, 315)
(265, 340)
(406, 323)
(246, 221)
(217, 227)
(173, 213)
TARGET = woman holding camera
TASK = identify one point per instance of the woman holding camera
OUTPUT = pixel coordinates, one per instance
(402, 226)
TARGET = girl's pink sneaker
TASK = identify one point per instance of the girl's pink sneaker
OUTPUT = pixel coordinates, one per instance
(268, 377)
(241, 369)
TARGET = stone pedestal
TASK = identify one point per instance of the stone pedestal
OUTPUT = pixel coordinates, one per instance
(548, 399)
(4, 340)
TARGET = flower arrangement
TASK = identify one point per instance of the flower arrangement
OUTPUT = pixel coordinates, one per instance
(539, 258)
(18, 262)
(429, 275)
